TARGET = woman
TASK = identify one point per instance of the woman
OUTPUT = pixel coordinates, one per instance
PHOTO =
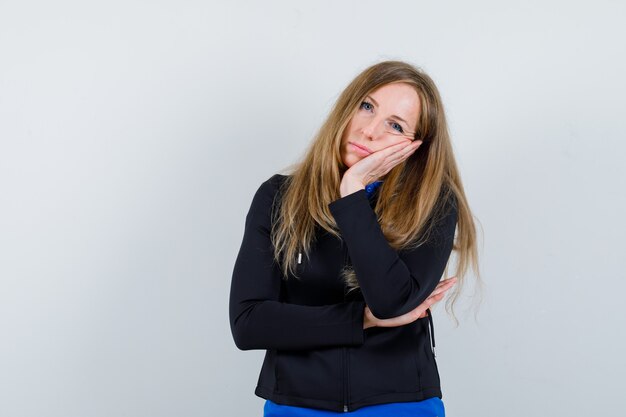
(342, 258)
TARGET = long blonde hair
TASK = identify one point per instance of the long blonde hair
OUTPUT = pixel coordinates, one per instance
(409, 202)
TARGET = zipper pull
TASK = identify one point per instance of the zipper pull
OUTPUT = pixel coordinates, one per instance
(299, 257)
(432, 331)
(345, 408)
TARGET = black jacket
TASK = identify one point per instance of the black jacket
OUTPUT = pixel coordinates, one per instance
(318, 354)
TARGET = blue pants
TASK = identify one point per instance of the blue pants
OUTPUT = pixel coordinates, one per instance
(432, 407)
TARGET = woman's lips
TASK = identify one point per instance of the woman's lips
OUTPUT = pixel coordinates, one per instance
(361, 150)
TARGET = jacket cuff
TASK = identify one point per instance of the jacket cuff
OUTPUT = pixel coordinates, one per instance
(358, 197)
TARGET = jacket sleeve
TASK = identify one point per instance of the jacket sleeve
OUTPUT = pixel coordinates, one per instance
(392, 283)
(258, 319)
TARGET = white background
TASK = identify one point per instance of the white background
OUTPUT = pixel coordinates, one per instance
(133, 135)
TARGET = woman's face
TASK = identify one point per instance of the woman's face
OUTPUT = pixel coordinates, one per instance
(387, 116)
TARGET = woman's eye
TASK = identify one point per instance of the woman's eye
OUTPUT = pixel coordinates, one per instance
(397, 127)
(367, 106)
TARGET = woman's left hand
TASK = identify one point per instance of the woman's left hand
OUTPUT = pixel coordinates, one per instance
(369, 320)
(374, 166)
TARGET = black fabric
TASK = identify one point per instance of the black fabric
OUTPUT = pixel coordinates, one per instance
(317, 353)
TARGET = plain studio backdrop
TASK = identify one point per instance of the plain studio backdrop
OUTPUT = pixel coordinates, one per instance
(135, 133)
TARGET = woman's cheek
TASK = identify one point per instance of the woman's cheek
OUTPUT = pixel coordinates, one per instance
(349, 159)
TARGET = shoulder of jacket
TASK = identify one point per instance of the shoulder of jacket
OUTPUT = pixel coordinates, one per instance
(277, 180)
(268, 190)
(273, 184)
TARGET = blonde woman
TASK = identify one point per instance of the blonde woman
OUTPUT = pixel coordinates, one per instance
(342, 257)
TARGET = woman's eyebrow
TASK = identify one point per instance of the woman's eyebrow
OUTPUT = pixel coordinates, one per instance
(394, 116)
(374, 101)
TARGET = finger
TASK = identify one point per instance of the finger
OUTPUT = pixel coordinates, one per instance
(411, 316)
(406, 150)
(432, 301)
(406, 318)
(390, 164)
(420, 310)
(398, 147)
(387, 158)
(398, 155)
(417, 312)
(445, 284)
(435, 298)
(446, 281)
(442, 288)
(415, 144)
(413, 147)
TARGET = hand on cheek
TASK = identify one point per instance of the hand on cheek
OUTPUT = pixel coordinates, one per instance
(375, 166)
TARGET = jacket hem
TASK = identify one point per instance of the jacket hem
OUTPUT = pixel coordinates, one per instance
(293, 401)
(391, 397)
(396, 397)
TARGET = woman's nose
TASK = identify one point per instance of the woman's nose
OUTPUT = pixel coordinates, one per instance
(371, 129)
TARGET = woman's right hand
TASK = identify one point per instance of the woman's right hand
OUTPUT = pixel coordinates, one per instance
(369, 320)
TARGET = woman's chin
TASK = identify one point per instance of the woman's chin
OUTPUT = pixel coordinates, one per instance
(350, 160)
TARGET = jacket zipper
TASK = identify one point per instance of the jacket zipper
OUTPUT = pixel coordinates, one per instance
(345, 380)
(344, 353)
(344, 358)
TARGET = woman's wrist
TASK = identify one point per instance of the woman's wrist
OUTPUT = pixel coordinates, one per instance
(350, 185)
(367, 320)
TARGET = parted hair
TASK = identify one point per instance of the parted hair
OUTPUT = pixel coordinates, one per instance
(410, 200)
